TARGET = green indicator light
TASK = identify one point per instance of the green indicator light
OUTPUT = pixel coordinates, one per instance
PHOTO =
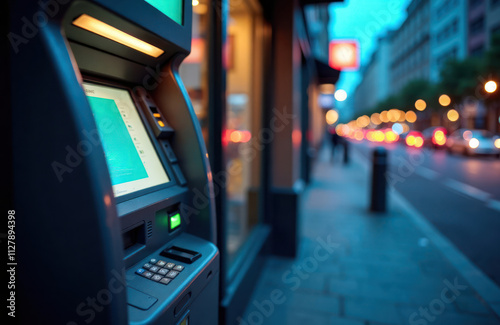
(175, 221)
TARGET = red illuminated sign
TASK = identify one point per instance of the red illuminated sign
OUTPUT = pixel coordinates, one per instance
(344, 55)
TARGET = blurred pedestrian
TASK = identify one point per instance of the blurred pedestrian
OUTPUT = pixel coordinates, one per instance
(335, 139)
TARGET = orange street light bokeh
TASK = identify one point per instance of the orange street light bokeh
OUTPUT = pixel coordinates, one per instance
(411, 117)
(444, 100)
(453, 115)
(332, 116)
(420, 105)
(376, 119)
(384, 117)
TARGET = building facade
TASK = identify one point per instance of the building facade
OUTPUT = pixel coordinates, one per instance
(252, 78)
(492, 17)
(375, 85)
(477, 38)
(410, 47)
(448, 32)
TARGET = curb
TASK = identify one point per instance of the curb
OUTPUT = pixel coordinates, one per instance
(481, 283)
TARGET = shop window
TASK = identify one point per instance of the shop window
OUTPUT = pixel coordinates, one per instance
(243, 120)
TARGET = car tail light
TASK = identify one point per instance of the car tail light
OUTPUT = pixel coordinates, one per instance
(419, 142)
(439, 138)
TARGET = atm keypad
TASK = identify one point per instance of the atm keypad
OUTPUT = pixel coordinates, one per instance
(172, 274)
(160, 271)
(147, 275)
(165, 280)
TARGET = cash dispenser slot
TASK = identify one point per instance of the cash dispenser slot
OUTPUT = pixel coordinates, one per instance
(134, 238)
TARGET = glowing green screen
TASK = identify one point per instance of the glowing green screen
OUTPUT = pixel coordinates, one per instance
(170, 8)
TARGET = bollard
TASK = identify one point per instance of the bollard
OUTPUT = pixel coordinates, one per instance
(346, 151)
(379, 182)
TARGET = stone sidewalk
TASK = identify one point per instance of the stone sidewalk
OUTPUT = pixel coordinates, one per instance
(355, 267)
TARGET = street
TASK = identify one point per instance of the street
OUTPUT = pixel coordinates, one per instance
(459, 195)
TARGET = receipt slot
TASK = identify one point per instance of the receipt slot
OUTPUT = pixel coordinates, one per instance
(109, 166)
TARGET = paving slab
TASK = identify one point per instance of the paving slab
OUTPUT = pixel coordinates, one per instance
(385, 268)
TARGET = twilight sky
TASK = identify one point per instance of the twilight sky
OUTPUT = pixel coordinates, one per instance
(363, 20)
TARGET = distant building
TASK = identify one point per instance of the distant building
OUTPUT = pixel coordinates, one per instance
(492, 17)
(477, 37)
(375, 85)
(448, 33)
(410, 46)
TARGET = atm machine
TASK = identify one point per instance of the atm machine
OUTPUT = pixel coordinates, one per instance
(113, 191)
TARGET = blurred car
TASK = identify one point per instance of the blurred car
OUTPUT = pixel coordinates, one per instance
(473, 142)
(414, 139)
(435, 137)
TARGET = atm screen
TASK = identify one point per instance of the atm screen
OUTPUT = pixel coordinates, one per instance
(170, 8)
(132, 160)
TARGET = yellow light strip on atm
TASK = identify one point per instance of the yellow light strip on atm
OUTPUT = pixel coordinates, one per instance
(100, 28)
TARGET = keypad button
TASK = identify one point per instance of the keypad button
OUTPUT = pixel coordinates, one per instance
(153, 261)
(165, 281)
(156, 277)
(178, 268)
(172, 274)
(170, 265)
(163, 271)
(154, 269)
(161, 263)
(147, 274)
(147, 266)
(140, 271)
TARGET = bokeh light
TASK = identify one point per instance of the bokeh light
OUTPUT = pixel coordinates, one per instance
(439, 137)
(358, 135)
(490, 86)
(474, 143)
(419, 142)
(410, 140)
(332, 116)
(397, 128)
(453, 115)
(363, 121)
(411, 117)
(393, 115)
(383, 117)
(420, 104)
(340, 95)
(375, 119)
(444, 100)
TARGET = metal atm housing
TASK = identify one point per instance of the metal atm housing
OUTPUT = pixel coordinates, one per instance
(86, 245)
